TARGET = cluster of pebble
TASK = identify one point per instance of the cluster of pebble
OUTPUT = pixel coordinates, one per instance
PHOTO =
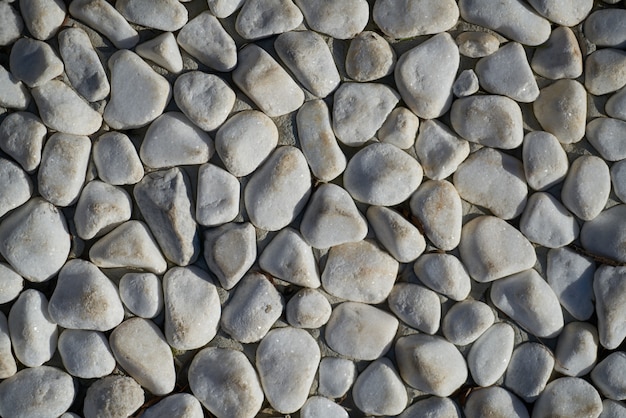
(350, 207)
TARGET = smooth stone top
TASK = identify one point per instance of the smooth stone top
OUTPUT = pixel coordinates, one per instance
(615, 107)
(490, 354)
(559, 57)
(477, 44)
(609, 288)
(341, 20)
(466, 84)
(116, 159)
(142, 294)
(400, 128)
(11, 24)
(15, 184)
(103, 17)
(369, 57)
(570, 275)
(561, 109)
(529, 369)
(165, 15)
(43, 17)
(411, 18)
(224, 8)
(13, 93)
(8, 366)
(162, 50)
(577, 349)
(318, 406)
(399, 236)
(568, 396)
(308, 309)
(546, 222)
(115, 395)
(439, 150)
(178, 405)
(432, 406)
(417, 306)
(496, 402)
(604, 71)
(11, 285)
(587, 186)
(466, 321)
(217, 199)
(22, 136)
(229, 251)
(443, 273)
(607, 27)
(606, 234)
(378, 390)
(100, 208)
(34, 62)
(263, 18)
(86, 354)
(336, 376)
(568, 13)
(608, 376)
(545, 161)
(605, 134)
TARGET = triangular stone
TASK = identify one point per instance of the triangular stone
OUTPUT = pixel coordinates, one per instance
(560, 57)
(229, 251)
(162, 50)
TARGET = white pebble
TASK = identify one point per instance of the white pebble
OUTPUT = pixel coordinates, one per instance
(163, 51)
(612, 409)
(416, 306)
(490, 354)
(477, 44)
(608, 376)
(400, 128)
(178, 405)
(604, 71)
(570, 397)
(224, 8)
(103, 17)
(100, 208)
(319, 407)
(570, 275)
(444, 274)
(432, 406)
(86, 354)
(11, 24)
(439, 150)
(587, 186)
(545, 161)
(369, 57)
(603, 235)
(8, 366)
(263, 18)
(399, 236)
(116, 159)
(609, 288)
(561, 109)
(142, 294)
(560, 57)
(577, 349)
(217, 199)
(568, 13)
(466, 321)
(11, 284)
(615, 107)
(529, 369)
(494, 401)
(605, 134)
(22, 136)
(379, 390)
(34, 62)
(410, 18)
(165, 15)
(341, 20)
(618, 179)
(606, 27)
(13, 93)
(115, 394)
(466, 84)
(546, 222)
(15, 185)
(308, 309)
(336, 376)
(229, 251)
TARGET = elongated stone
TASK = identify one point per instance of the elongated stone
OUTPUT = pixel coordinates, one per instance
(103, 17)
(561, 109)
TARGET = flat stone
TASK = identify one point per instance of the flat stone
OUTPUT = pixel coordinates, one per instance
(369, 57)
(618, 180)
(178, 405)
(399, 236)
(308, 309)
(477, 44)
(86, 354)
(103, 17)
(11, 285)
(605, 136)
(417, 306)
(165, 15)
(568, 13)
(605, 235)
(113, 396)
(466, 84)
(587, 186)
(163, 51)
(34, 62)
(318, 407)
(490, 354)
(466, 321)
(224, 8)
(342, 20)
(229, 251)
(411, 18)
(494, 401)
(432, 406)
(559, 57)
(612, 409)
(379, 390)
(100, 208)
(12, 24)
(529, 370)
(545, 161)
(443, 273)
(439, 150)
(577, 349)
(425, 75)
(615, 107)
(13, 93)
(263, 18)
(116, 159)
(22, 136)
(561, 110)
(546, 222)
(604, 71)
(606, 28)
(142, 294)
(336, 376)
(570, 275)
(609, 289)
(8, 366)
(400, 128)
(568, 396)
(217, 199)
(15, 185)
(608, 376)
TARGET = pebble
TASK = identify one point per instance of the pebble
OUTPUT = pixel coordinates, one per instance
(494, 180)
(204, 98)
(369, 57)
(615, 107)
(426, 88)
(618, 179)
(609, 289)
(317, 141)
(490, 354)
(612, 409)
(570, 275)
(34, 240)
(224, 8)
(378, 390)
(477, 44)
(444, 274)
(604, 71)
(103, 17)
(560, 57)
(163, 51)
(259, 19)
(15, 184)
(430, 364)
(359, 272)
(495, 402)
(63, 110)
(587, 186)
(466, 84)
(606, 28)
(439, 150)
(491, 249)
(546, 222)
(129, 245)
(309, 59)
(605, 135)
(336, 376)
(529, 369)
(63, 154)
(11, 24)
(100, 208)
(142, 294)
(86, 354)
(85, 298)
(512, 18)
(82, 65)
(178, 405)
(411, 18)
(489, 120)
(416, 306)
(13, 93)
(252, 310)
(141, 350)
(217, 199)
(11, 285)
(266, 83)
(332, 218)
(229, 251)
(225, 382)
(399, 236)
(432, 406)
(116, 159)
(605, 234)
(290, 258)
(360, 331)
(192, 145)
(21, 395)
(34, 62)
(165, 15)
(245, 141)
(220, 53)
(278, 191)
(360, 109)
(164, 199)
(22, 136)
(372, 173)
(138, 94)
(544, 159)
(576, 349)
(608, 376)
(8, 366)
(400, 128)
(113, 396)
(308, 309)
(466, 321)
(287, 360)
(319, 407)
(569, 13)
(569, 397)
(342, 20)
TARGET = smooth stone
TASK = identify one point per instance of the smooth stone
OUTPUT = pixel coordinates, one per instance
(266, 83)
(493, 121)
(11, 24)
(439, 150)
(163, 51)
(570, 397)
(544, 159)
(426, 88)
(332, 218)
(609, 288)
(263, 18)
(11, 284)
(430, 364)
(477, 44)
(33, 331)
(245, 140)
(606, 234)
(569, 13)
(82, 65)
(466, 321)
(84, 298)
(490, 354)
(252, 310)
(165, 15)
(309, 59)
(577, 349)
(317, 141)
(466, 84)
(411, 18)
(319, 407)
(113, 396)
(612, 409)
(399, 236)
(141, 350)
(608, 376)
(546, 222)
(129, 245)
(164, 199)
(587, 186)
(308, 309)
(336, 376)
(416, 306)
(606, 28)
(178, 405)
(278, 191)
(618, 179)
(86, 354)
(512, 18)
(13, 93)
(491, 249)
(561, 110)
(343, 20)
(141, 294)
(220, 53)
(225, 382)
(224, 8)
(100, 208)
(378, 390)
(8, 366)
(605, 134)
(360, 331)
(570, 275)
(287, 360)
(604, 71)
(494, 180)
(433, 406)
(615, 107)
(290, 258)
(359, 272)
(369, 57)
(138, 94)
(172, 140)
(103, 17)
(495, 402)
(360, 109)
(445, 274)
(529, 369)
(116, 159)
(22, 135)
(15, 184)
(229, 251)
(63, 110)
(217, 198)
(399, 129)
(204, 98)
(34, 62)
(34, 240)
(37, 392)
(560, 57)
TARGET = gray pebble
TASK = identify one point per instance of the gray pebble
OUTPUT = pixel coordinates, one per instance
(587, 186)
(466, 321)
(560, 57)
(13, 93)
(432, 406)
(494, 401)
(604, 71)
(22, 136)
(165, 15)
(224, 8)
(103, 17)
(605, 135)
(439, 150)
(112, 397)
(308, 309)
(100, 208)
(163, 51)
(615, 107)
(319, 407)
(369, 57)
(477, 44)
(410, 18)
(263, 18)
(378, 390)
(217, 199)
(577, 349)
(607, 27)
(561, 109)
(86, 354)
(116, 159)
(568, 396)
(490, 354)
(546, 222)
(400, 128)
(399, 236)
(603, 235)
(612, 409)
(34, 62)
(11, 284)
(142, 294)
(341, 20)
(618, 179)
(178, 405)
(8, 366)
(529, 370)
(466, 84)
(608, 376)
(545, 161)
(229, 251)
(417, 306)
(568, 13)
(11, 24)
(609, 288)
(15, 185)
(336, 376)
(444, 274)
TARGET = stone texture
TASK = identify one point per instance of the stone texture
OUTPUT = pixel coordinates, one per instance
(11, 284)
(490, 354)
(113, 396)
(86, 354)
(608, 376)
(605, 134)
(561, 109)
(15, 185)
(399, 236)
(21, 136)
(466, 321)
(546, 222)
(576, 349)
(12, 24)
(545, 161)
(336, 376)
(369, 57)
(8, 366)
(308, 309)
(263, 18)
(529, 369)
(100, 208)
(34, 62)
(165, 15)
(103, 17)
(217, 198)
(477, 44)
(417, 306)
(116, 159)
(604, 71)
(411, 18)
(400, 128)
(443, 273)
(229, 251)
(163, 51)
(178, 405)
(142, 294)
(570, 275)
(379, 390)
(559, 57)
(568, 13)
(343, 20)
(568, 396)
(13, 92)
(609, 289)
(439, 150)
(586, 187)
(606, 28)
(494, 401)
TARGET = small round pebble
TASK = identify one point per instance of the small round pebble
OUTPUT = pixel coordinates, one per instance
(262, 18)
(417, 306)
(439, 150)
(141, 293)
(178, 405)
(378, 390)
(606, 27)
(34, 62)
(100, 208)
(605, 136)
(570, 397)
(560, 57)
(116, 159)
(529, 369)
(86, 354)
(544, 159)
(490, 354)
(22, 135)
(576, 349)
(308, 309)
(587, 186)
(16, 186)
(445, 274)
(399, 236)
(229, 251)
(570, 275)
(433, 406)
(466, 84)
(477, 44)
(341, 20)
(319, 407)
(608, 376)
(410, 18)
(609, 288)
(494, 402)
(561, 109)
(369, 57)
(336, 376)
(113, 396)
(466, 321)
(217, 200)
(546, 222)
(162, 50)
